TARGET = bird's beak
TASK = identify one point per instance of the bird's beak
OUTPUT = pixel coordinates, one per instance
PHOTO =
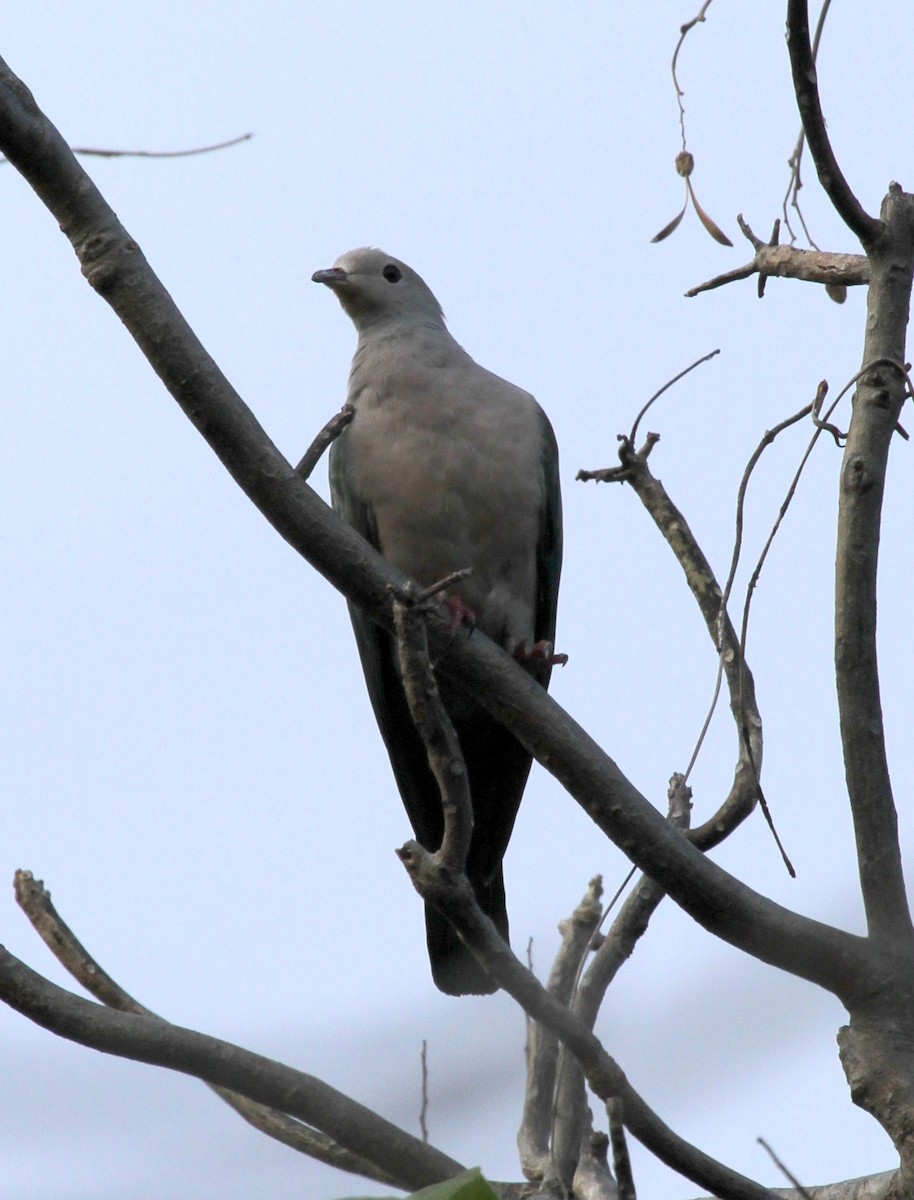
(332, 276)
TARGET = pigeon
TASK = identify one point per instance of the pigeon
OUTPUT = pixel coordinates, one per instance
(446, 466)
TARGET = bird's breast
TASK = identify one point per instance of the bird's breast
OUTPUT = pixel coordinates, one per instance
(454, 481)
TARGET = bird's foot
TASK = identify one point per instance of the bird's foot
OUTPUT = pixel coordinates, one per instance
(539, 654)
(460, 613)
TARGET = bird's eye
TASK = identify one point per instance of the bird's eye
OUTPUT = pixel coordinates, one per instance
(392, 273)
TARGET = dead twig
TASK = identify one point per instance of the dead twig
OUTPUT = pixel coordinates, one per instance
(789, 262)
(327, 435)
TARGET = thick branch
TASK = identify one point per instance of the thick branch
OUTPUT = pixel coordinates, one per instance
(806, 87)
(151, 1040)
(880, 395)
(115, 266)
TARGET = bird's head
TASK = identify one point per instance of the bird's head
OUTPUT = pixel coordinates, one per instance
(377, 289)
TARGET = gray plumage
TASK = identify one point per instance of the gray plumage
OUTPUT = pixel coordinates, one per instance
(444, 466)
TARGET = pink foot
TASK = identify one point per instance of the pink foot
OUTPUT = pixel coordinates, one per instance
(539, 652)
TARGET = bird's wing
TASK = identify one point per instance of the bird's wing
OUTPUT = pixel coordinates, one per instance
(549, 546)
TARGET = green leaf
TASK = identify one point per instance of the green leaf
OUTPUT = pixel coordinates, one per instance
(469, 1185)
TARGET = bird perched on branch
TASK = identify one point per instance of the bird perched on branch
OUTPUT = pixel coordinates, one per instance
(447, 466)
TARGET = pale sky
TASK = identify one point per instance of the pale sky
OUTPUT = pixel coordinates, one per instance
(190, 760)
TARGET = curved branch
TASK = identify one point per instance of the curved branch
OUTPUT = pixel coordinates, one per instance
(806, 88)
(445, 757)
(115, 267)
(35, 901)
(703, 585)
(161, 1044)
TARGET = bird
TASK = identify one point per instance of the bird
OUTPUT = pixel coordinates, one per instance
(445, 466)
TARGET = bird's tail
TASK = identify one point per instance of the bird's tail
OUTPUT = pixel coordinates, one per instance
(454, 969)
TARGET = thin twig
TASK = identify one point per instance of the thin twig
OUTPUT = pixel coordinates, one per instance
(327, 435)
(94, 152)
(766, 441)
(683, 33)
(788, 1174)
(669, 383)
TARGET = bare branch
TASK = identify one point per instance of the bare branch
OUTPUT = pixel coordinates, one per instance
(533, 1137)
(434, 726)
(151, 1040)
(880, 395)
(788, 262)
(805, 84)
(440, 879)
(767, 439)
(683, 33)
